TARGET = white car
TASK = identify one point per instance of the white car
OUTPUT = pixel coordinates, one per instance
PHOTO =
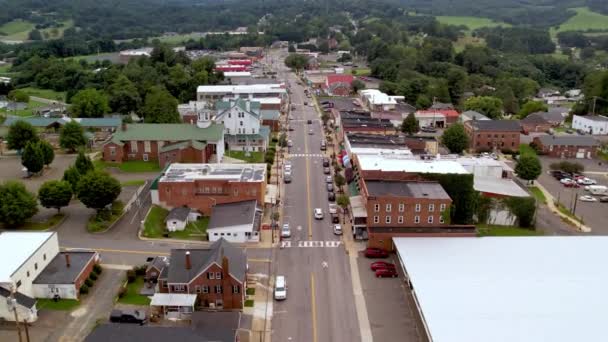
(328, 179)
(565, 180)
(318, 213)
(333, 208)
(586, 181)
(285, 231)
(289, 143)
(587, 198)
(280, 288)
(337, 229)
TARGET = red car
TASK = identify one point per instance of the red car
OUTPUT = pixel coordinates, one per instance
(375, 253)
(572, 185)
(386, 273)
(378, 265)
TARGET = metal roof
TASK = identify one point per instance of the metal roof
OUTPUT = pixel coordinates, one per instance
(178, 172)
(169, 132)
(394, 163)
(233, 214)
(16, 248)
(568, 140)
(179, 213)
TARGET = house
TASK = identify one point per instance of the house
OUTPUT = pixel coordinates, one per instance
(471, 115)
(216, 276)
(242, 120)
(109, 124)
(213, 93)
(555, 115)
(591, 124)
(339, 84)
(202, 186)
(547, 92)
(487, 135)
(441, 106)
(568, 146)
(375, 100)
(179, 217)
(535, 123)
(236, 222)
(65, 275)
(189, 112)
(155, 268)
(362, 122)
(167, 143)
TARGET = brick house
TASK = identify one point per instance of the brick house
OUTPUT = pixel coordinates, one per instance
(216, 275)
(568, 146)
(203, 186)
(166, 143)
(489, 135)
(535, 123)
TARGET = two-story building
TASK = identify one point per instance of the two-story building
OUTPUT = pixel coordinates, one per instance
(487, 135)
(242, 121)
(591, 124)
(213, 93)
(568, 146)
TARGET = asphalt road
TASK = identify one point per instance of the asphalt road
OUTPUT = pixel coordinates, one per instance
(320, 300)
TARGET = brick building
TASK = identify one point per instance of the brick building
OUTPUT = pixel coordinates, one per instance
(535, 123)
(338, 84)
(568, 146)
(202, 186)
(489, 135)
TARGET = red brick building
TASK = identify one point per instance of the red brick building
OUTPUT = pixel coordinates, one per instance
(339, 84)
(568, 146)
(202, 186)
(487, 135)
(535, 123)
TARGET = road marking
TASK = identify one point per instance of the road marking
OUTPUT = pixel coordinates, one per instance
(325, 264)
(314, 308)
(306, 155)
(120, 251)
(285, 244)
(309, 211)
(258, 260)
(311, 244)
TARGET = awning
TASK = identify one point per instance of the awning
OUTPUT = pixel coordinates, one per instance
(271, 194)
(358, 206)
(173, 299)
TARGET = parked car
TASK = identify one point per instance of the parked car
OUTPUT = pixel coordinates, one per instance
(586, 181)
(569, 131)
(287, 177)
(280, 288)
(337, 229)
(323, 145)
(285, 231)
(325, 162)
(324, 102)
(289, 143)
(386, 273)
(335, 218)
(328, 179)
(587, 198)
(305, 103)
(330, 187)
(381, 264)
(604, 199)
(331, 196)
(318, 213)
(128, 316)
(375, 253)
(572, 184)
(326, 170)
(309, 122)
(333, 208)
(310, 132)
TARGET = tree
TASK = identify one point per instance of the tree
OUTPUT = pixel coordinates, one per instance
(410, 125)
(160, 107)
(531, 107)
(346, 57)
(566, 166)
(486, 105)
(16, 203)
(423, 102)
(123, 96)
(97, 190)
(32, 157)
(83, 164)
(55, 194)
(291, 48)
(357, 85)
(71, 136)
(340, 181)
(524, 208)
(528, 167)
(72, 176)
(343, 201)
(89, 103)
(455, 138)
(296, 61)
(18, 95)
(283, 140)
(21, 133)
(47, 152)
(35, 35)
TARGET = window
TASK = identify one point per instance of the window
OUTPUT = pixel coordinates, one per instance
(210, 275)
(417, 207)
(376, 207)
(179, 288)
(134, 146)
(431, 207)
(214, 234)
(236, 192)
(401, 207)
(112, 151)
(389, 208)
(441, 219)
(165, 285)
(240, 123)
(218, 288)
(388, 219)
(147, 147)
(376, 219)
(416, 219)
(205, 289)
(44, 256)
(18, 283)
(442, 207)
(197, 288)
(228, 115)
(218, 275)
(28, 274)
(35, 266)
(399, 219)
(236, 289)
(227, 130)
(145, 157)
(430, 219)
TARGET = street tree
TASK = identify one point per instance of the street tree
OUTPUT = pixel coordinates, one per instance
(339, 180)
(16, 204)
(357, 85)
(283, 140)
(71, 136)
(343, 201)
(33, 158)
(83, 164)
(72, 176)
(296, 61)
(531, 107)
(455, 138)
(97, 190)
(528, 167)
(486, 105)
(19, 134)
(47, 152)
(55, 194)
(89, 103)
(410, 125)
(160, 107)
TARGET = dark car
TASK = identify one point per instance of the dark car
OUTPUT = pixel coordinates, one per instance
(381, 265)
(309, 122)
(331, 196)
(325, 162)
(128, 316)
(335, 218)
(375, 253)
(386, 273)
(604, 199)
(326, 170)
(324, 102)
(428, 129)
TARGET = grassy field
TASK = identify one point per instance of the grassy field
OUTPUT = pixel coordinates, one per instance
(45, 93)
(526, 149)
(584, 20)
(491, 230)
(130, 166)
(132, 295)
(254, 157)
(472, 23)
(16, 30)
(361, 71)
(60, 305)
(99, 224)
(25, 112)
(539, 195)
(113, 57)
(154, 226)
(54, 33)
(177, 39)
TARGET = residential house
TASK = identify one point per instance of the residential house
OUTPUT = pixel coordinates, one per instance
(109, 124)
(179, 217)
(242, 125)
(339, 84)
(555, 115)
(471, 115)
(591, 124)
(189, 112)
(487, 135)
(568, 146)
(217, 276)
(535, 123)
(202, 186)
(236, 222)
(155, 268)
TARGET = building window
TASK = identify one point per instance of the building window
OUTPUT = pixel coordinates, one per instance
(442, 207)
(227, 130)
(236, 289)
(134, 146)
(376, 207)
(145, 157)
(35, 266)
(240, 123)
(376, 219)
(210, 275)
(179, 288)
(388, 219)
(28, 274)
(431, 207)
(205, 289)
(198, 288)
(399, 219)
(147, 147)
(218, 275)
(112, 151)
(416, 219)
(389, 208)
(18, 283)
(401, 207)
(228, 115)
(236, 192)
(165, 286)
(218, 288)
(417, 207)
(430, 219)
(441, 220)
(44, 256)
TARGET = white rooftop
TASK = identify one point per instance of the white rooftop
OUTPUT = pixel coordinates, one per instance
(406, 164)
(178, 172)
(509, 288)
(173, 299)
(241, 89)
(237, 74)
(268, 100)
(16, 248)
(376, 97)
(499, 186)
(401, 151)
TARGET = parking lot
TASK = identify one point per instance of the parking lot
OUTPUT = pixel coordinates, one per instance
(594, 214)
(11, 168)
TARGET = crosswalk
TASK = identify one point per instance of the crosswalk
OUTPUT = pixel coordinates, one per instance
(306, 155)
(309, 244)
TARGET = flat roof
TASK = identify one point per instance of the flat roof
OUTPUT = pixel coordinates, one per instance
(233, 214)
(57, 271)
(16, 248)
(430, 190)
(178, 172)
(592, 117)
(549, 288)
(499, 186)
(242, 89)
(394, 163)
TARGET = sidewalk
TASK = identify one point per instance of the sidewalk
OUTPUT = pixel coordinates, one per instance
(551, 205)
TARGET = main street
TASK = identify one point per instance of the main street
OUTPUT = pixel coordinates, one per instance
(320, 300)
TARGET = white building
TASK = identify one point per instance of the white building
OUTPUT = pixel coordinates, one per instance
(377, 100)
(471, 115)
(591, 124)
(178, 218)
(235, 222)
(212, 93)
(243, 129)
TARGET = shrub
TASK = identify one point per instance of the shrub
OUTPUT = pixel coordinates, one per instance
(88, 282)
(141, 270)
(84, 289)
(566, 166)
(97, 269)
(131, 275)
(117, 208)
(93, 276)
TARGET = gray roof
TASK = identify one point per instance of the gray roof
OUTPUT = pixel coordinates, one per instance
(201, 259)
(568, 140)
(159, 262)
(598, 118)
(553, 115)
(179, 213)
(496, 125)
(23, 300)
(440, 105)
(232, 214)
(57, 272)
(534, 118)
(473, 115)
(431, 190)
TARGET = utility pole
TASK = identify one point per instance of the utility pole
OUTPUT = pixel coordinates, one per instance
(12, 305)
(594, 101)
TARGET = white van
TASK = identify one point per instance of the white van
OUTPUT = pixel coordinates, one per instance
(597, 189)
(280, 288)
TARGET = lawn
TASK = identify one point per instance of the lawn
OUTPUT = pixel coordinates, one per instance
(526, 149)
(584, 20)
(254, 157)
(16, 30)
(361, 71)
(45, 93)
(5, 67)
(57, 32)
(177, 39)
(251, 291)
(472, 23)
(25, 112)
(567, 212)
(154, 226)
(135, 182)
(603, 155)
(130, 166)
(492, 230)
(132, 295)
(61, 304)
(538, 194)
(99, 223)
(249, 303)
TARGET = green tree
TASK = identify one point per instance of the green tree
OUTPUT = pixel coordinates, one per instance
(423, 102)
(524, 209)
(72, 176)
(343, 201)
(532, 107)
(340, 181)
(528, 167)
(83, 163)
(283, 140)
(71, 136)
(18, 95)
(123, 96)
(35, 35)
(89, 103)
(16, 204)
(97, 190)
(55, 194)
(47, 152)
(410, 125)
(357, 85)
(296, 61)
(19, 134)
(32, 157)
(160, 107)
(486, 105)
(455, 138)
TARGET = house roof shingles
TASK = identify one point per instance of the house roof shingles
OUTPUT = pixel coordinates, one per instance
(23, 300)
(568, 140)
(534, 118)
(169, 132)
(179, 213)
(495, 125)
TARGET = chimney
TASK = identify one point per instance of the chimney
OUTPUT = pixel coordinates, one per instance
(123, 126)
(67, 260)
(188, 264)
(225, 267)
